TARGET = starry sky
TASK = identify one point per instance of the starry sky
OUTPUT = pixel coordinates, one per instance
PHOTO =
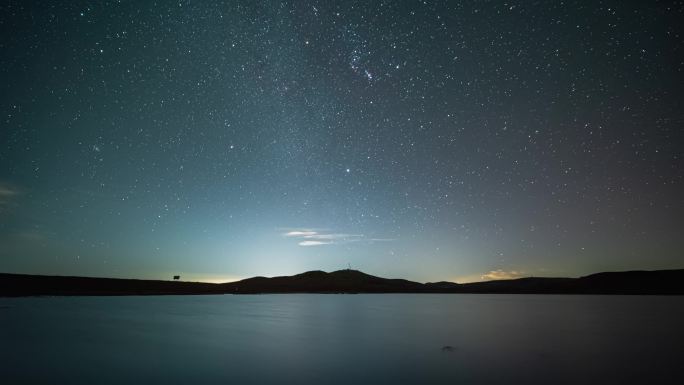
(429, 140)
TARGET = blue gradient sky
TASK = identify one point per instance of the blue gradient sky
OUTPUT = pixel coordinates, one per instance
(430, 141)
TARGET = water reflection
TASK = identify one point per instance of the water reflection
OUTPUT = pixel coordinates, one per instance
(342, 339)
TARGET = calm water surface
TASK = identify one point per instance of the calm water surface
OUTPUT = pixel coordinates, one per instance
(344, 339)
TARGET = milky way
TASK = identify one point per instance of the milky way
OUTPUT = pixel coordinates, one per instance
(425, 140)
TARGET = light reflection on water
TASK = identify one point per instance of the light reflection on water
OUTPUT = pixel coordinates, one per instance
(345, 339)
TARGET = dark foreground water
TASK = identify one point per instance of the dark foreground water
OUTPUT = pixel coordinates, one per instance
(345, 339)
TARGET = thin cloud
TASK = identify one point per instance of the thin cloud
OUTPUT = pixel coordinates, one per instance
(299, 233)
(8, 194)
(320, 237)
(494, 275)
(313, 243)
(333, 236)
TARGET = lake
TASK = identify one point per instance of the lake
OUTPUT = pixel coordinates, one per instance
(342, 339)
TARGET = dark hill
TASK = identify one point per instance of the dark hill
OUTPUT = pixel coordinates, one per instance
(341, 281)
(634, 282)
(348, 281)
(627, 282)
(442, 285)
(25, 285)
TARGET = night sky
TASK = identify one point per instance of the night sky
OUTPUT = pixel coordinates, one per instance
(425, 140)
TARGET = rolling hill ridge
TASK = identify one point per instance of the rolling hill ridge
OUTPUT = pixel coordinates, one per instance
(346, 281)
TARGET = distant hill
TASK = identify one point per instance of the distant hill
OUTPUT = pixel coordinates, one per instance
(627, 282)
(341, 281)
(31, 285)
(347, 281)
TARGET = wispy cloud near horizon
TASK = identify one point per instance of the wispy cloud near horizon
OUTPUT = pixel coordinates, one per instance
(319, 237)
(313, 243)
(299, 233)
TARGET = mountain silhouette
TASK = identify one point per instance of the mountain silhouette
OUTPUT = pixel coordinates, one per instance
(341, 281)
(347, 281)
